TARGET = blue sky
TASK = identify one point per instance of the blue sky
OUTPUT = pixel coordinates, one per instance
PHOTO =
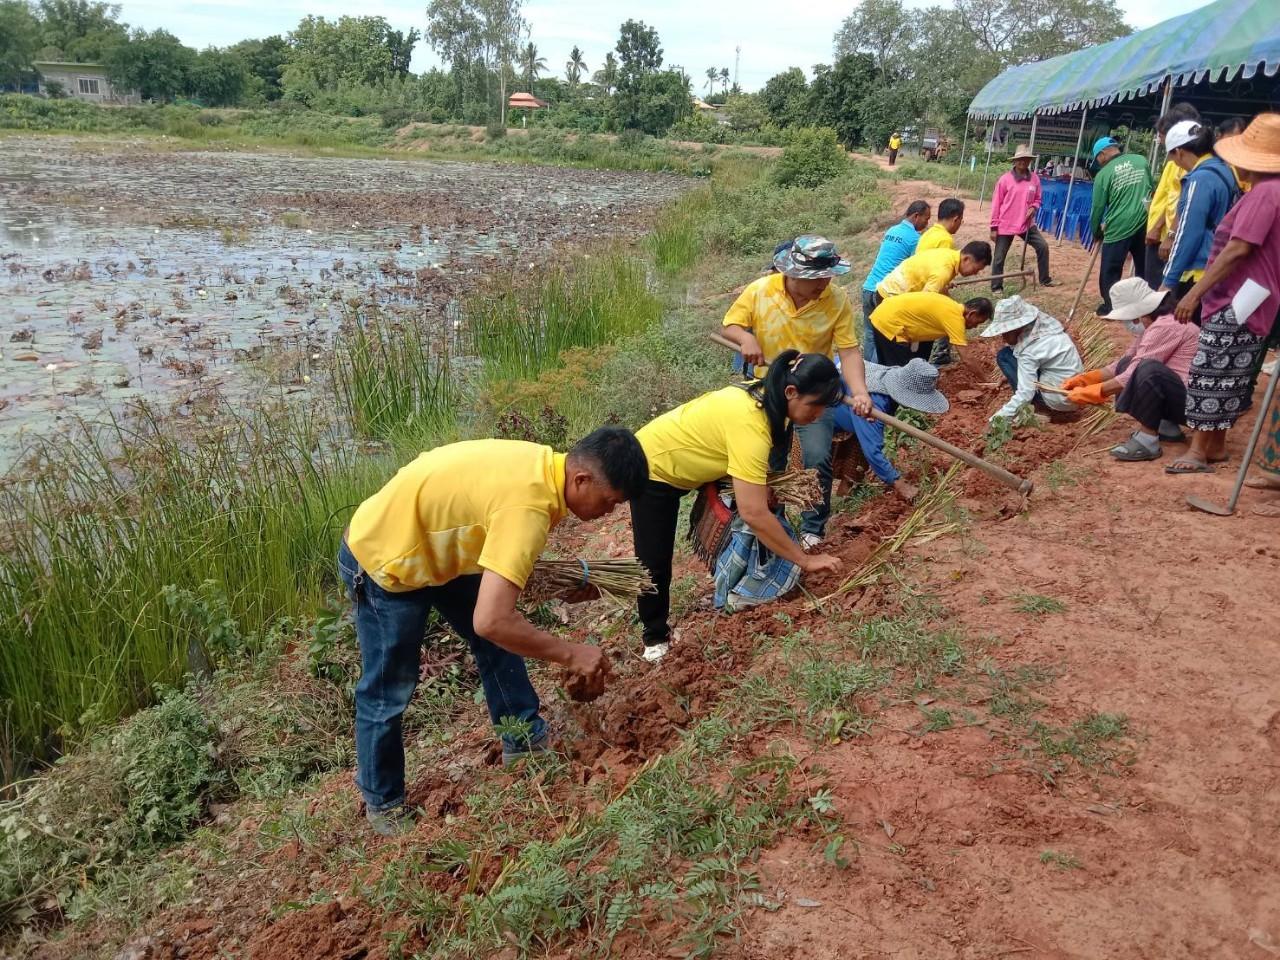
(695, 35)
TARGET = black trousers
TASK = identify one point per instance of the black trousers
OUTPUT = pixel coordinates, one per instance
(893, 156)
(1153, 393)
(1113, 256)
(894, 353)
(653, 527)
(1153, 270)
(1035, 240)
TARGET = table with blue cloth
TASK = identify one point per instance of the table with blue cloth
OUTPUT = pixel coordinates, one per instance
(1054, 210)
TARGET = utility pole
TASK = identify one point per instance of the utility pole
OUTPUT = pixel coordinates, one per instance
(737, 59)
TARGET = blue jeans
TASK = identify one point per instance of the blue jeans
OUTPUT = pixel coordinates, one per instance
(815, 448)
(870, 300)
(391, 627)
(1008, 365)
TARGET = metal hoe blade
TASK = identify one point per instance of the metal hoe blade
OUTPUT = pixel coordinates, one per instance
(1208, 506)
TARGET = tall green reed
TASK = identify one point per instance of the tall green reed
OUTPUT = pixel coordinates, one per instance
(100, 522)
(391, 378)
(519, 328)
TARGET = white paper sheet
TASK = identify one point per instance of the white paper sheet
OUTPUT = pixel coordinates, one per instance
(1249, 298)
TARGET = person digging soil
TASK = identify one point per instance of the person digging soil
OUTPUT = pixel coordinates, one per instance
(458, 531)
(725, 433)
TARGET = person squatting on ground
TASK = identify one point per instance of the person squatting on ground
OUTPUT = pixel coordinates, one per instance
(914, 386)
(1150, 381)
(458, 531)
(1118, 214)
(1014, 206)
(1207, 192)
(906, 326)
(942, 235)
(900, 241)
(725, 433)
(798, 308)
(1037, 350)
(1163, 206)
(1239, 294)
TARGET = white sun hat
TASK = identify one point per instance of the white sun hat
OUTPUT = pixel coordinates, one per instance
(1132, 298)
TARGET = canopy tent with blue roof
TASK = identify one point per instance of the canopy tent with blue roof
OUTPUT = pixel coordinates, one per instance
(1223, 58)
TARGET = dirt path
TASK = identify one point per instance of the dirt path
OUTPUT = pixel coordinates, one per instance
(1167, 618)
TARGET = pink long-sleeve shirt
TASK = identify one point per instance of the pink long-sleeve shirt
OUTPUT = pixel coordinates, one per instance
(1172, 343)
(1011, 201)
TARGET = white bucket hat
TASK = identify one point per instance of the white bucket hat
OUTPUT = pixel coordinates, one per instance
(1012, 313)
(1132, 298)
(914, 385)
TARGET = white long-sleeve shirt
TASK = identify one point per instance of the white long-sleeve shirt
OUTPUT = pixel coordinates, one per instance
(1045, 354)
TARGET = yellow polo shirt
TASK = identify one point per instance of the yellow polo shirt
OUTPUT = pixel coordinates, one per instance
(917, 317)
(936, 238)
(820, 326)
(460, 509)
(1164, 199)
(724, 433)
(929, 272)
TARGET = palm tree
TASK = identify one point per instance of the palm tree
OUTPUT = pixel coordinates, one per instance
(712, 75)
(574, 67)
(724, 79)
(531, 64)
(607, 76)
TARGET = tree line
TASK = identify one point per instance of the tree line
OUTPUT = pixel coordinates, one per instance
(891, 67)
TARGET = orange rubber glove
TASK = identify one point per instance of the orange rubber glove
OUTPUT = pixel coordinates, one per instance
(1086, 379)
(1091, 394)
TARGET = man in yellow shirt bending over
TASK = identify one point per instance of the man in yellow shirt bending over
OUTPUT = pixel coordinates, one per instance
(932, 271)
(798, 308)
(907, 325)
(458, 531)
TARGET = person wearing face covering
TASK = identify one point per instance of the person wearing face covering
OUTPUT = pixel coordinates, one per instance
(1150, 381)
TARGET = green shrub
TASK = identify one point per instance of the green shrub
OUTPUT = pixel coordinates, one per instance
(813, 157)
(167, 769)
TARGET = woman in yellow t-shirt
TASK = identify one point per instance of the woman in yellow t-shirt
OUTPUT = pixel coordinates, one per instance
(725, 433)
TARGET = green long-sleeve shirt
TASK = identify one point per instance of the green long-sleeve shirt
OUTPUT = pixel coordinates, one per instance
(1120, 193)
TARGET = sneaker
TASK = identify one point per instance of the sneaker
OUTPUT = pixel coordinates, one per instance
(536, 748)
(1049, 283)
(810, 540)
(656, 651)
(1102, 309)
(392, 822)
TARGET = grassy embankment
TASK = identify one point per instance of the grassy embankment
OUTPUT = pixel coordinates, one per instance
(148, 552)
(183, 127)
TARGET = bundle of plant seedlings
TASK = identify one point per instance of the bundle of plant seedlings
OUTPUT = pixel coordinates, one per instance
(796, 488)
(619, 579)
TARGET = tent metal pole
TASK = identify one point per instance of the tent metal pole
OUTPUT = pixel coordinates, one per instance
(1164, 108)
(1035, 119)
(986, 168)
(964, 143)
(1062, 224)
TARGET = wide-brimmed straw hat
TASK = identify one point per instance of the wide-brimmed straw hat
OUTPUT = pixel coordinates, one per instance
(1012, 313)
(1258, 148)
(1022, 153)
(1132, 298)
(914, 386)
(810, 257)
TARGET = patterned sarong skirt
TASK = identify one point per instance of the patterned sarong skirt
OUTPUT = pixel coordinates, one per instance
(1221, 379)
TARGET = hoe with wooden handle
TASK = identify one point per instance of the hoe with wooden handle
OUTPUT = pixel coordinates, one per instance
(1004, 476)
(1208, 506)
